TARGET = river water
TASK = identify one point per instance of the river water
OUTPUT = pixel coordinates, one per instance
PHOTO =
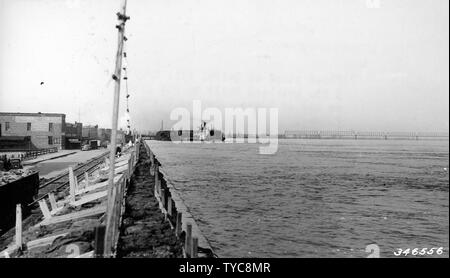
(314, 198)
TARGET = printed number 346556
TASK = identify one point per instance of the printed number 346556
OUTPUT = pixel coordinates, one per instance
(419, 252)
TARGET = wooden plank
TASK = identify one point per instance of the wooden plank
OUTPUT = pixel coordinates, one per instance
(118, 170)
(156, 176)
(114, 215)
(121, 163)
(86, 179)
(174, 209)
(121, 169)
(43, 241)
(53, 203)
(194, 251)
(89, 198)
(5, 254)
(86, 255)
(123, 158)
(72, 184)
(98, 185)
(188, 240)
(163, 198)
(110, 215)
(169, 206)
(11, 249)
(44, 209)
(53, 212)
(178, 226)
(73, 216)
(130, 168)
(19, 240)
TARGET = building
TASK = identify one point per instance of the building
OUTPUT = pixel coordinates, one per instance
(120, 137)
(41, 130)
(90, 132)
(104, 134)
(74, 133)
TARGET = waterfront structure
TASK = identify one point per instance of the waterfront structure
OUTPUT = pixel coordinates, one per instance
(374, 135)
(40, 130)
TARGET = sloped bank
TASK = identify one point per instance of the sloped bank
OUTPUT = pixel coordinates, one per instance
(145, 232)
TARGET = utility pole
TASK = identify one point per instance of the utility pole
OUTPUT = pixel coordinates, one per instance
(115, 116)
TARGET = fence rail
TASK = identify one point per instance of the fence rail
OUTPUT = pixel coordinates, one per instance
(107, 235)
(26, 154)
(36, 153)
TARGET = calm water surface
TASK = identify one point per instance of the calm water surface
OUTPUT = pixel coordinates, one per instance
(314, 198)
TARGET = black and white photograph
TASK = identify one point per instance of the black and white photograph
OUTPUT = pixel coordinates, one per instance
(248, 130)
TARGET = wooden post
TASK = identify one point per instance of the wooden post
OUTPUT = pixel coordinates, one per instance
(188, 240)
(111, 228)
(194, 251)
(169, 206)
(163, 197)
(115, 116)
(178, 224)
(130, 167)
(117, 212)
(99, 241)
(19, 240)
(86, 178)
(159, 186)
(137, 152)
(156, 178)
(72, 184)
(52, 199)
(155, 163)
(174, 211)
(44, 209)
(130, 161)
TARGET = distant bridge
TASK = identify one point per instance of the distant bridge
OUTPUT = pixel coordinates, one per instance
(350, 134)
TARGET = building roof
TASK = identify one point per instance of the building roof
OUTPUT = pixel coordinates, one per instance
(32, 114)
(76, 124)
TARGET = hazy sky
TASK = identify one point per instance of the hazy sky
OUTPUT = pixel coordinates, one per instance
(326, 64)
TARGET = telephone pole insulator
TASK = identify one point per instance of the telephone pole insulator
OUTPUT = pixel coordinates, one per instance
(122, 17)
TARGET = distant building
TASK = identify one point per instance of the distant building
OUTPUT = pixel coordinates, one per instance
(104, 134)
(74, 135)
(41, 130)
(120, 137)
(90, 132)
